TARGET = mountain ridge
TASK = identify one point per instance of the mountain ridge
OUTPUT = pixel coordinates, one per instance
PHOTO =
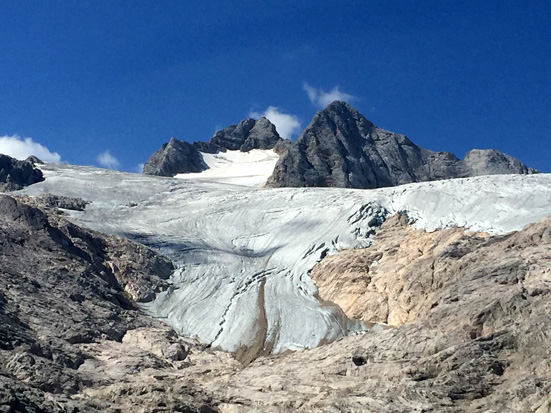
(341, 148)
(176, 157)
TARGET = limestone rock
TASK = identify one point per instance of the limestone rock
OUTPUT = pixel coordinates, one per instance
(58, 300)
(468, 317)
(58, 201)
(181, 157)
(245, 136)
(173, 158)
(490, 161)
(281, 147)
(162, 342)
(16, 174)
(341, 148)
(34, 160)
(263, 135)
(232, 137)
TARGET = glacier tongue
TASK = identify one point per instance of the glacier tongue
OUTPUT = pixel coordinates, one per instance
(243, 254)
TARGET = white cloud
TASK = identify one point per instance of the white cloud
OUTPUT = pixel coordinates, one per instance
(22, 148)
(139, 168)
(107, 160)
(287, 125)
(321, 98)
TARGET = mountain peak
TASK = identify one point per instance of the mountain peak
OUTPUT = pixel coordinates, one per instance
(341, 148)
(340, 105)
(177, 156)
(339, 109)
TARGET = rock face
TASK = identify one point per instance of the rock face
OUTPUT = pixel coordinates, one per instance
(247, 135)
(341, 148)
(63, 306)
(177, 157)
(16, 174)
(472, 334)
(174, 157)
(492, 162)
(468, 318)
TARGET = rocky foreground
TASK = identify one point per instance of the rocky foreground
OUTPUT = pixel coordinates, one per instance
(468, 318)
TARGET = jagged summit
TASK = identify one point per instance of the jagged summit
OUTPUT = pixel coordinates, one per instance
(173, 158)
(16, 174)
(247, 135)
(339, 108)
(177, 157)
(341, 148)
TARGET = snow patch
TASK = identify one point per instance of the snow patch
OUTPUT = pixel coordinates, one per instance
(251, 168)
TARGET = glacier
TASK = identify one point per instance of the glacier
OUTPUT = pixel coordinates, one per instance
(243, 253)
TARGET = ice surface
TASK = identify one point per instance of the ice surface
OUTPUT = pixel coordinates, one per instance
(243, 253)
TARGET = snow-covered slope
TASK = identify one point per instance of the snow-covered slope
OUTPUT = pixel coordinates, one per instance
(244, 253)
(235, 167)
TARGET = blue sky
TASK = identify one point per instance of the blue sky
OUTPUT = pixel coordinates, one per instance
(82, 78)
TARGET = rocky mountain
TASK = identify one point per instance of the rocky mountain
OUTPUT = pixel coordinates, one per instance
(467, 330)
(173, 158)
(248, 134)
(15, 174)
(177, 156)
(68, 315)
(341, 148)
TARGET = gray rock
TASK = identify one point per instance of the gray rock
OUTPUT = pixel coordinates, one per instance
(63, 295)
(281, 147)
(175, 352)
(173, 158)
(492, 162)
(245, 136)
(341, 148)
(34, 160)
(63, 202)
(232, 137)
(262, 135)
(181, 157)
(15, 174)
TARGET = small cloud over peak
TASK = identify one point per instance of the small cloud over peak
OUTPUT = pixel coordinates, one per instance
(22, 148)
(106, 160)
(321, 98)
(287, 125)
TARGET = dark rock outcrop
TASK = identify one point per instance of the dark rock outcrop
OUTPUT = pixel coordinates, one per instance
(15, 174)
(245, 136)
(174, 157)
(341, 148)
(64, 301)
(34, 160)
(181, 157)
(263, 135)
(63, 202)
